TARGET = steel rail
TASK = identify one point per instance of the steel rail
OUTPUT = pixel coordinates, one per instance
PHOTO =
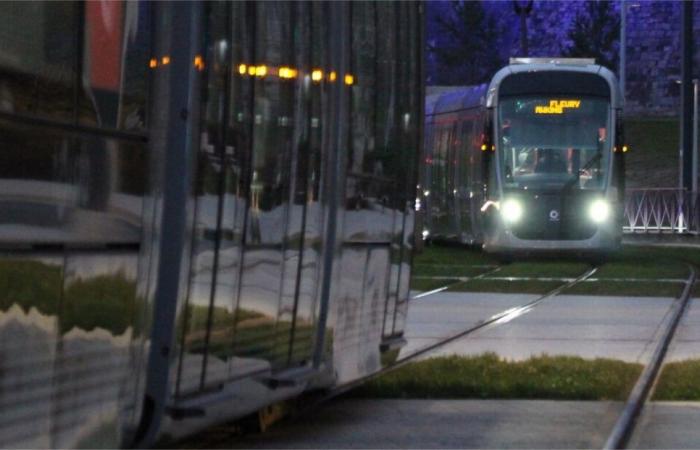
(621, 432)
(459, 280)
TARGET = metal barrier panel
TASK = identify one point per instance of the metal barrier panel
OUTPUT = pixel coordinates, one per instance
(660, 210)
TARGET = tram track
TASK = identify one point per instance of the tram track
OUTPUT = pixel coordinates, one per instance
(455, 283)
(624, 427)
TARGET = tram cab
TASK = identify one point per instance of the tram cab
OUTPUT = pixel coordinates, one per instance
(555, 161)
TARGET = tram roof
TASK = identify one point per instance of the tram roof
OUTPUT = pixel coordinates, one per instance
(563, 65)
(461, 97)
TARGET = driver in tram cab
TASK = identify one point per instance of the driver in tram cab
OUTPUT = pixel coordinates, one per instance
(550, 161)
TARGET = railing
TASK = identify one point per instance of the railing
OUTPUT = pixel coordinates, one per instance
(661, 210)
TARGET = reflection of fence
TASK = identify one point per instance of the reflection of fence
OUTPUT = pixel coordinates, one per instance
(661, 210)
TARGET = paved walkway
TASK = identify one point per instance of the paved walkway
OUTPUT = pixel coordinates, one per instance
(586, 326)
(668, 425)
(353, 423)
(686, 343)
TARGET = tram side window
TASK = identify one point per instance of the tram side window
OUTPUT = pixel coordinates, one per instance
(38, 58)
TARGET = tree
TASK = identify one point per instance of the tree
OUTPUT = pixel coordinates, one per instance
(595, 33)
(463, 44)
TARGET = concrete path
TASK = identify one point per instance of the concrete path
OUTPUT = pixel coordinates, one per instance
(586, 326)
(668, 425)
(353, 423)
(432, 318)
(686, 343)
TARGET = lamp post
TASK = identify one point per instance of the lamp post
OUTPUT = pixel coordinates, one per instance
(523, 12)
(623, 49)
(695, 139)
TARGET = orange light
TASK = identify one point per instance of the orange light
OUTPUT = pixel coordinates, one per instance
(349, 79)
(317, 75)
(287, 72)
(332, 76)
(242, 69)
(165, 60)
(153, 63)
(251, 70)
(199, 62)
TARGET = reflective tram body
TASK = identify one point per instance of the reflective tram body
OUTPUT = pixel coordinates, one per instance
(533, 162)
(206, 208)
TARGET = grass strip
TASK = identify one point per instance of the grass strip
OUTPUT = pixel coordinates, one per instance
(426, 284)
(566, 269)
(626, 289)
(456, 254)
(431, 270)
(505, 286)
(488, 376)
(679, 381)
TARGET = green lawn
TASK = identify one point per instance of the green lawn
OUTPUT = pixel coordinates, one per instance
(647, 263)
(535, 268)
(457, 254)
(679, 381)
(451, 270)
(626, 289)
(488, 376)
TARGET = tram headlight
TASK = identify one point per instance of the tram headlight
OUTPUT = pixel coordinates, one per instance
(599, 211)
(511, 210)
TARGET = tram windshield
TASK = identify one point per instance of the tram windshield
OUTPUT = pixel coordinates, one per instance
(554, 143)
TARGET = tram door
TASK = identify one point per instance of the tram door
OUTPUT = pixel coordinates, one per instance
(253, 284)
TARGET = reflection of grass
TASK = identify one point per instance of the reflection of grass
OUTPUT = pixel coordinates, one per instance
(625, 289)
(105, 301)
(390, 356)
(254, 336)
(679, 381)
(30, 284)
(504, 286)
(488, 376)
(426, 284)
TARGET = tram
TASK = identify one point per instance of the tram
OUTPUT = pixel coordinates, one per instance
(207, 208)
(532, 162)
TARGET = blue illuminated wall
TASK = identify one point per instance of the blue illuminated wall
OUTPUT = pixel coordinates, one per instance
(653, 44)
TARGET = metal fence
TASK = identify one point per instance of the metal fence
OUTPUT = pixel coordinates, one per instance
(661, 210)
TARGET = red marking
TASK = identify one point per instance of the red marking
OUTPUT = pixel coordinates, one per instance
(104, 43)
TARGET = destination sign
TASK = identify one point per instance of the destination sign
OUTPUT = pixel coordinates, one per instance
(557, 106)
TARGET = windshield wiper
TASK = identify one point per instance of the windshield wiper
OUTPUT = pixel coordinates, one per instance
(569, 184)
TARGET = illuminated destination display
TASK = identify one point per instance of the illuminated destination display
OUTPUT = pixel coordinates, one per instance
(557, 106)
